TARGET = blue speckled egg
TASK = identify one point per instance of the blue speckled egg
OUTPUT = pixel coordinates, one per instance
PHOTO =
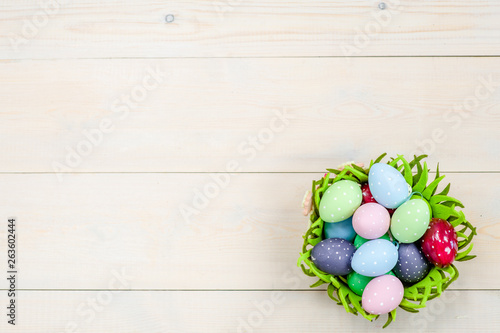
(412, 266)
(375, 258)
(387, 185)
(333, 256)
(342, 230)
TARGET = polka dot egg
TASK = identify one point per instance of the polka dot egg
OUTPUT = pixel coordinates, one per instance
(387, 185)
(340, 201)
(375, 257)
(412, 265)
(410, 221)
(333, 256)
(371, 221)
(382, 294)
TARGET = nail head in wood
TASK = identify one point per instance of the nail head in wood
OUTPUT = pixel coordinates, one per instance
(169, 18)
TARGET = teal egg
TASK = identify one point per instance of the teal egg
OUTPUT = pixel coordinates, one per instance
(341, 229)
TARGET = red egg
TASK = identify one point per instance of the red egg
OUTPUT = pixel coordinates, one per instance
(439, 243)
(367, 195)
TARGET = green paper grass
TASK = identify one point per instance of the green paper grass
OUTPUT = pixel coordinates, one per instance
(442, 205)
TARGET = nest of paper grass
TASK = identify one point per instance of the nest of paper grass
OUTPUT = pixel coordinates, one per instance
(442, 205)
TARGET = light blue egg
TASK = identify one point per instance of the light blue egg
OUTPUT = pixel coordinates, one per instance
(375, 258)
(387, 185)
(341, 229)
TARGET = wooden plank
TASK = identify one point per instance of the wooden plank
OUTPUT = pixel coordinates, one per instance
(266, 28)
(200, 114)
(258, 311)
(80, 233)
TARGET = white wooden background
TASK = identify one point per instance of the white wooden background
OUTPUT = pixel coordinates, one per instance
(104, 247)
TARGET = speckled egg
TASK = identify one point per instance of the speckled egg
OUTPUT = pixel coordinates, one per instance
(410, 221)
(343, 229)
(439, 243)
(371, 220)
(375, 257)
(382, 294)
(387, 185)
(412, 265)
(340, 201)
(333, 256)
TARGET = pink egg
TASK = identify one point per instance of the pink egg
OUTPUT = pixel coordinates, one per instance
(382, 294)
(371, 220)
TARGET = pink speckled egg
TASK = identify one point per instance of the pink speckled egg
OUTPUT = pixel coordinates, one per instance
(382, 294)
(371, 220)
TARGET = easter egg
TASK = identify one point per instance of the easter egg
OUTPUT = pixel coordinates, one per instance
(358, 241)
(340, 201)
(412, 265)
(439, 243)
(367, 195)
(410, 221)
(342, 230)
(333, 256)
(382, 294)
(416, 196)
(388, 186)
(375, 257)
(371, 220)
(358, 282)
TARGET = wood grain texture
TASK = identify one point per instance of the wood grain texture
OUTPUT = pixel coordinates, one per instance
(206, 112)
(112, 121)
(265, 28)
(75, 234)
(238, 311)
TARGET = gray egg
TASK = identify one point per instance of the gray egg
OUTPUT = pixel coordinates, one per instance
(333, 256)
(412, 266)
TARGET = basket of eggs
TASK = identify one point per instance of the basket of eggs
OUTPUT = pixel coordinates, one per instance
(382, 237)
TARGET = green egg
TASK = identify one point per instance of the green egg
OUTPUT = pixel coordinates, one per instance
(358, 282)
(410, 221)
(358, 241)
(416, 196)
(340, 201)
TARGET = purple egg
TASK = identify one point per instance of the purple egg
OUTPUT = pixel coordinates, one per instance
(333, 256)
(412, 266)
